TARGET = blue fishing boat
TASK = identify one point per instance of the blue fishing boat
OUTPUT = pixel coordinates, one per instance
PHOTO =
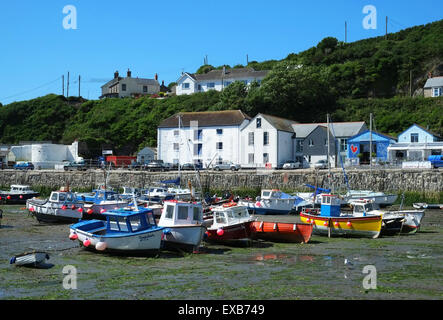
(100, 201)
(125, 230)
(274, 202)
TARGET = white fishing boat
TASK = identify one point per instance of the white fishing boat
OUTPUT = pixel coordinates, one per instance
(380, 198)
(274, 202)
(61, 207)
(156, 194)
(421, 205)
(34, 258)
(125, 230)
(183, 222)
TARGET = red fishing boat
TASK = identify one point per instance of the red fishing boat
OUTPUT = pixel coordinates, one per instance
(281, 231)
(231, 223)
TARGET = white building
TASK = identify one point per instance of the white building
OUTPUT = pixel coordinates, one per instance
(45, 155)
(267, 140)
(121, 87)
(201, 137)
(433, 87)
(189, 83)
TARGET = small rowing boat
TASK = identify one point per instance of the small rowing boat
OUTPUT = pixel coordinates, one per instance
(34, 258)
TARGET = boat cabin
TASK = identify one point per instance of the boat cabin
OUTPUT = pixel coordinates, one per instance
(63, 196)
(181, 213)
(330, 205)
(17, 188)
(361, 207)
(271, 194)
(228, 215)
(99, 195)
(123, 220)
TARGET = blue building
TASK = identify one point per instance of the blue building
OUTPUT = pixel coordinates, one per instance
(417, 134)
(358, 146)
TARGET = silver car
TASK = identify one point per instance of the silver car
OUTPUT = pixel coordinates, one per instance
(291, 164)
(321, 164)
(226, 165)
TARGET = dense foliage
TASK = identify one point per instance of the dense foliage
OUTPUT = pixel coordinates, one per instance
(329, 78)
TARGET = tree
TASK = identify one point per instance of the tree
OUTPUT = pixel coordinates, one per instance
(205, 69)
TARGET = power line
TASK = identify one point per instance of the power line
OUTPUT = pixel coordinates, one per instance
(30, 90)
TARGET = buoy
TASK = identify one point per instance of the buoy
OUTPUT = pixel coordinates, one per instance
(336, 223)
(349, 223)
(220, 232)
(8, 197)
(31, 209)
(21, 197)
(102, 211)
(101, 246)
(63, 207)
(87, 242)
(89, 211)
(258, 204)
(72, 207)
(325, 223)
(80, 210)
(308, 220)
(73, 236)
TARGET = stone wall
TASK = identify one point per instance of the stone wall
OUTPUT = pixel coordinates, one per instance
(377, 180)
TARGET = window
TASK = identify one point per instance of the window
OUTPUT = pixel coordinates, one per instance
(265, 157)
(219, 131)
(299, 145)
(123, 87)
(145, 88)
(197, 215)
(250, 158)
(176, 147)
(176, 133)
(199, 87)
(220, 217)
(219, 146)
(211, 85)
(54, 197)
(62, 197)
(258, 122)
(251, 138)
(414, 137)
(169, 212)
(311, 142)
(185, 86)
(265, 138)
(198, 149)
(182, 213)
(227, 83)
(136, 223)
(436, 92)
(219, 160)
(343, 145)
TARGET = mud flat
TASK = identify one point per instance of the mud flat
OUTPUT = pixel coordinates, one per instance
(407, 266)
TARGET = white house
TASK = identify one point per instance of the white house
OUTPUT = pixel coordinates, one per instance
(45, 155)
(267, 140)
(128, 86)
(201, 137)
(433, 87)
(189, 83)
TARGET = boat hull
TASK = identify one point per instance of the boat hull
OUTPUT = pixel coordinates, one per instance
(278, 231)
(185, 236)
(48, 212)
(368, 227)
(427, 206)
(235, 232)
(272, 207)
(34, 258)
(14, 198)
(381, 200)
(413, 220)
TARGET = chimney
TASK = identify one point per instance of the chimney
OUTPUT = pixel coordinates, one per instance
(163, 82)
(156, 77)
(116, 75)
(128, 73)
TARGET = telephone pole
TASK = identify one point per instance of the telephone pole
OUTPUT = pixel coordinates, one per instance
(63, 84)
(67, 86)
(386, 36)
(79, 86)
(346, 32)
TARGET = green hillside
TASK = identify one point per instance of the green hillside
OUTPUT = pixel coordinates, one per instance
(348, 81)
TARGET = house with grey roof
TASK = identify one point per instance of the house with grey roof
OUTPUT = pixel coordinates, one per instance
(433, 87)
(189, 83)
(121, 87)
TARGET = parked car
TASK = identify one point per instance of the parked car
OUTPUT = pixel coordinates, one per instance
(75, 165)
(226, 165)
(321, 164)
(191, 166)
(23, 165)
(156, 165)
(137, 166)
(291, 164)
(436, 161)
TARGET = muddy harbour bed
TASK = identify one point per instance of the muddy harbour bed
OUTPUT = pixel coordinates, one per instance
(407, 266)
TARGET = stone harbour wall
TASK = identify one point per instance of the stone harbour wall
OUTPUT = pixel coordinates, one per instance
(419, 180)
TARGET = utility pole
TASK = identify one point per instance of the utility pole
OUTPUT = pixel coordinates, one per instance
(63, 84)
(370, 141)
(386, 36)
(247, 59)
(346, 32)
(67, 86)
(329, 162)
(79, 86)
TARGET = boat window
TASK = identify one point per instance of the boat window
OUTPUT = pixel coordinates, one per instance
(169, 212)
(265, 194)
(62, 197)
(122, 224)
(136, 223)
(368, 207)
(197, 214)
(358, 209)
(220, 217)
(70, 197)
(54, 197)
(182, 213)
(150, 218)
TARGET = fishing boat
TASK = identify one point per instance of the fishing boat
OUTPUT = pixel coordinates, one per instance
(183, 222)
(17, 194)
(61, 207)
(281, 231)
(329, 220)
(101, 200)
(394, 221)
(125, 230)
(156, 194)
(34, 258)
(380, 198)
(274, 202)
(231, 222)
(421, 205)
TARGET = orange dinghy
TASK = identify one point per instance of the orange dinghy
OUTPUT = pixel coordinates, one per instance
(281, 231)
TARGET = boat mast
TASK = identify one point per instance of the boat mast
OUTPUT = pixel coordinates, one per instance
(329, 163)
(370, 141)
(179, 143)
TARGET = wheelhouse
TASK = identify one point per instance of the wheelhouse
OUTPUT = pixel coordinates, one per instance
(178, 212)
(121, 221)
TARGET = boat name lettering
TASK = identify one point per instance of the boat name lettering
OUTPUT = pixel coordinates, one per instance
(145, 237)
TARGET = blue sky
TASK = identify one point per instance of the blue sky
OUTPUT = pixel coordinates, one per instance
(166, 37)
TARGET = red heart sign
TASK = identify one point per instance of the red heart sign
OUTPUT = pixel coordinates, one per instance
(354, 149)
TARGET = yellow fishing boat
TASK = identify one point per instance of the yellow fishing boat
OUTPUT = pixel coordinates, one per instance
(330, 221)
